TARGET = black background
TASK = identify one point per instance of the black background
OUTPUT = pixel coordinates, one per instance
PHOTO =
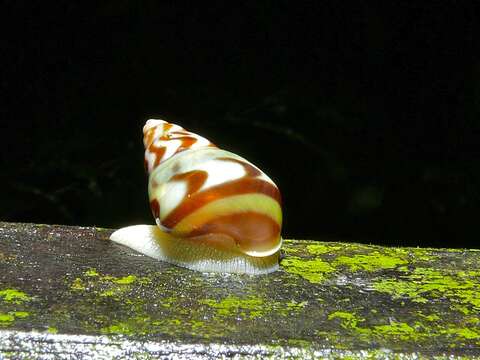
(366, 115)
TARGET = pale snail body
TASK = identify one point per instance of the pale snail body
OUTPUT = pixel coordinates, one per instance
(215, 211)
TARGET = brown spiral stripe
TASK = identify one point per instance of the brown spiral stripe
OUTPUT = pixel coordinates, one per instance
(249, 228)
(199, 199)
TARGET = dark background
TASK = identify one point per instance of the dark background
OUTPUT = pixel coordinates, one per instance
(366, 115)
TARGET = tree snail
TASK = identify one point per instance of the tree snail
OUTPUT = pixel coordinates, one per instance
(215, 211)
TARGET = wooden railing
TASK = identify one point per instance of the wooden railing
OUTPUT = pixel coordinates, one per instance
(69, 292)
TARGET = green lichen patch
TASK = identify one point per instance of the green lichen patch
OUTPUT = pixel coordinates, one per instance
(13, 306)
(252, 307)
(99, 291)
(135, 325)
(92, 272)
(424, 255)
(146, 307)
(138, 313)
(232, 305)
(168, 302)
(290, 247)
(290, 250)
(431, 317)
(126, 280)
(14, 296)
(21, 314)
(105, 285)
(296, 306)
(397, 330)
(370, 262)
(6, 319)
(315, 270)
(392, 330)
(423, 285)
(463, 333)
(439, 293)
(318, 262)
(119, 328)
(348, 319)
(10, 317)
(77, 285)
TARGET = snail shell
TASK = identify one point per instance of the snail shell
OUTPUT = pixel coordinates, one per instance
(214, 210)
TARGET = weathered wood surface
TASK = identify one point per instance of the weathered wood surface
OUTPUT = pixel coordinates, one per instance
(68, 291)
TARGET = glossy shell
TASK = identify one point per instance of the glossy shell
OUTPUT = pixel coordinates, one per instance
(200, 192)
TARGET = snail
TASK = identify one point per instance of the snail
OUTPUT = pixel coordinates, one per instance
(214, 210)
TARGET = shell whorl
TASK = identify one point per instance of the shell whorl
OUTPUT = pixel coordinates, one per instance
(198, 191)
(162, 140)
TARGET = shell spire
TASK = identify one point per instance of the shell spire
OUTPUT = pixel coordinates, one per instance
(163, 140)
